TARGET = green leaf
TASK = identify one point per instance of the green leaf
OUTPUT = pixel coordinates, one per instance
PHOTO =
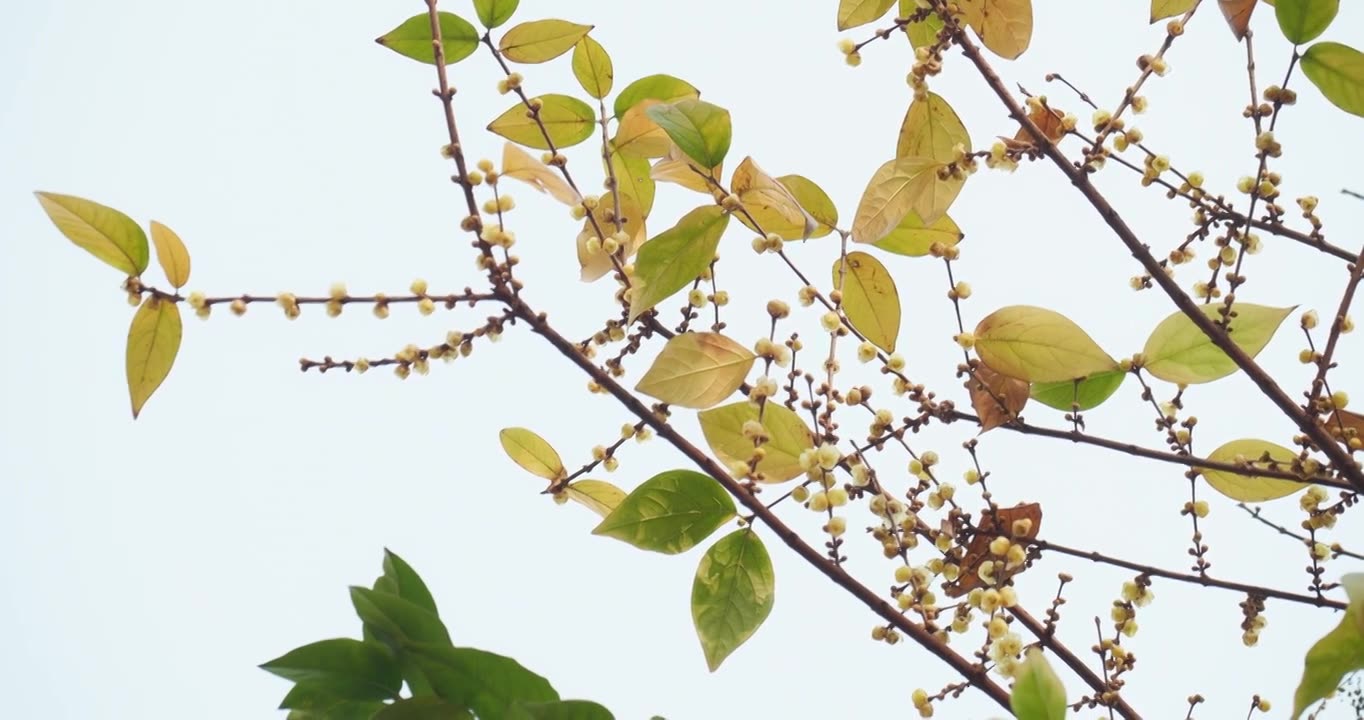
(343, 710)
(492, 13)
(596, 495)
(1161, 9)
(852, 13)
(100, 230)
(406, 583)
(911, 237)
(1252, 488)
(424, 708)
(663, 88)
(1303, 20)
(541, 40)
(349, 669)
(697, 370)
(896, 189)
(532, 453)
(870, 299)
(671, 260)
(171, 254)
(458, 38)
(1179, 352)
(592, 67)
(1088, 393)
(788, 437)
(397, 621)
(669, 513)
(561, 710)
(701, 130)
(1340, 652)
(731, 595)
(1038, 693)
(1338, 71)
(327, 699)
(815, 201)
(484, 682)
(567, 120)
(1038, 345)
(931, 129)
(153, 342)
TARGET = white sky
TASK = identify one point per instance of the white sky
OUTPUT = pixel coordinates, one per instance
(149, 567)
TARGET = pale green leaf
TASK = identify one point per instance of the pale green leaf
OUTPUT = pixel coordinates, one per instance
(1038, 345)
(541, 40)
(532, 453)
(153, 342)
(413, 39)
(912, 238)
(1340, 652)
(1338, 71)
(922, 33)
(492, 13)
(567, 121)
(1178, 352)
(697, 370)
(870, 299)
(669, 262)
(932, 129)
(669, 513)
(663, 88)
(599, 496)
(773, 207)
(788, 437)
(852, 13)
(814, 201)
(896, 189)
(633, 180)
(701, 130)
(100, 230)
(171, 254)
(1252, 488)
(592, 66)
(1303, 20)
(1038, 693)
(732, 594)
(1088, 393)
(1161, 9)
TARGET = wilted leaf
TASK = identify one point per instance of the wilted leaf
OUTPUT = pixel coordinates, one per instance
(997, 399)
(596, 495)
(1004, 26)
(1179, 352)
(815, 202)
(637, 135)
(788, 437)
(896, 189)
(1340, 652)
(912, 238)
(100, 230)
(413, 39)
(931, 129)
(1038, 693)
(1000, 522)
(700, 129)
(487, 683)
(681, 170)
(1252, 488)
(172, 254)
(532, 453)
(493, 13)
(1237, 13)
(1338, 72)
(697, 370)
(567, 120)
(1047, 119)
(1343, 425)
(153, 342)
(668, 262)
(852, 13)
(349, 669)
(732, 594)
(1088, 393)
(669, 513)
(1303, 20)
(1161, 9)
(1038, 345)
(541, 40)
(519, 165)
(663, 88)
(597, 264)
(770, 203)
(870, 299)
(592, 67)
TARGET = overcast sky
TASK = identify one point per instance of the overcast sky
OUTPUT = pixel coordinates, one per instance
(150, 566)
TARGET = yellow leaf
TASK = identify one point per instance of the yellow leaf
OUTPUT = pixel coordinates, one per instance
(519, 165)
(997, 399)
(870, 299)
(852, 13)
(598, 496)
(567, 120)
(532, 453)
(1177, 350)
(592, 66)
(899, 187)
(100, 230)
(931, 129)
(788, 437)
(1038, 345)
(153, 342)
(697, 370)
(1237, 13)
(541, 40)
(772, 206)
(1004, 26)
(912, 238)
(171, 253)
(638, 135)
(815, 201)
(595, 265)
(1252, 488)
(1161, 9)
(679, 169)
